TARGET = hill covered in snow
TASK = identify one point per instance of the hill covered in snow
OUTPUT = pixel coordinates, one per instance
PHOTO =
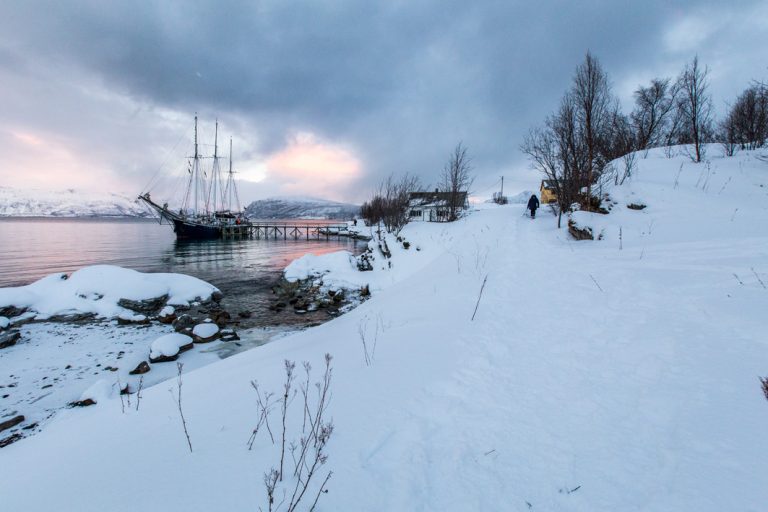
(66, 203)
(300, 208)
(499, 364)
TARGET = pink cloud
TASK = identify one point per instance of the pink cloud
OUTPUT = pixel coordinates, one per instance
(309, 166)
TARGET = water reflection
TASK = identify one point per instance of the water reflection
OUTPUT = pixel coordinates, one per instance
(243, 269)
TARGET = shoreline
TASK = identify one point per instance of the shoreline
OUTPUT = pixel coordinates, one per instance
(39, 388)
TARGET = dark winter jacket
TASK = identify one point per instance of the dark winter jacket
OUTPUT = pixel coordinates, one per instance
(533, 202)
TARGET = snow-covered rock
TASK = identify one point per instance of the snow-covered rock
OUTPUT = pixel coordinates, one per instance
(205, 332)
(4, 322)
(167, 348)
(100, 391)
(98, 290)
(167, 315)
(300, 208)
(130, 318)
(311, 265)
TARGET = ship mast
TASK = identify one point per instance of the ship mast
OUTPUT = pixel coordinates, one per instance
(231, 190)
(229, 178)
(215, 191)
(196, 169)
(194, 180)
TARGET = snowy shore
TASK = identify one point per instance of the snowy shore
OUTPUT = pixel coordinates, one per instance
(618, 374)
(92, 328)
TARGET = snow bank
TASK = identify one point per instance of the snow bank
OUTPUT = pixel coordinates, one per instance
(311, 265)
(392, 259)
(99, 391)
(671, 199)
(521, 198)
(97, 290)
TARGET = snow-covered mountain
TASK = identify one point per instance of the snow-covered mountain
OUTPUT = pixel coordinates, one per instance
(300, 208)
(66, 203)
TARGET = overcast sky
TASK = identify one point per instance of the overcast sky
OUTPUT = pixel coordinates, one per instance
(323, 98)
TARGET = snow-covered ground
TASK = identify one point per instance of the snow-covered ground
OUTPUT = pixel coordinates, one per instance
(618, 374)
(66, 203)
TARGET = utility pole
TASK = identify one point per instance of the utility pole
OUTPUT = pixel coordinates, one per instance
(502, 186)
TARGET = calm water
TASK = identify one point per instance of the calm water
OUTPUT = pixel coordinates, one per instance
(243, 269)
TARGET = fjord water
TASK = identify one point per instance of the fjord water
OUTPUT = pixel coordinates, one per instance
(244, 270)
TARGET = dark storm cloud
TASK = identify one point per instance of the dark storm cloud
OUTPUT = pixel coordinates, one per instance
(400, 82)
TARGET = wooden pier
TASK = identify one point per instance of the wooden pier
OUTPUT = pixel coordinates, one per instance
(287, 231)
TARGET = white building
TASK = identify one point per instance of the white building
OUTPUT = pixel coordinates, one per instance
(433, 206)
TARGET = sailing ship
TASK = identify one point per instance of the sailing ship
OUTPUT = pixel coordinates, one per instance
(208, 209)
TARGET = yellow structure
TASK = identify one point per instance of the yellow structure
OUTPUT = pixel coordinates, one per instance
(547, 193)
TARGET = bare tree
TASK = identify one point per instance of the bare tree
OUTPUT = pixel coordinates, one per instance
(746, 124)
(593, 101)
(726, 135)
(456, 179)
(620, 143)
(694, 107)
(389, 203)
(654, 108)
(559, 152)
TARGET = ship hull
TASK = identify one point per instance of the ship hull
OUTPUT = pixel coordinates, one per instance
(189, 231)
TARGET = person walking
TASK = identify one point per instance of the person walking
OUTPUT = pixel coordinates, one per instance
(533, 204)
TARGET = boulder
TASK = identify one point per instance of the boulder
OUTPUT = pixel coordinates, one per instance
(142, 368)
(220, 317)
(8, 339)
(5, 425)
(146, 306)
(229, 335)
(11, 311)
(72, 318)
(166, 315)
(183, 322)
(4, 323)
(128, 319)
(580, 233)
(82, 403)
(167, 348)
(163, 359)
(217, 296)
(10, 440)
(205, 333)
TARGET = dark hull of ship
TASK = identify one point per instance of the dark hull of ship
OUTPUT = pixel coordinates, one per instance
(188, 231)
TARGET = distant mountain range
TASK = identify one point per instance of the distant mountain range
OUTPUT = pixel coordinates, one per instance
(300, 208)
(66, 203)
(74, 203)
